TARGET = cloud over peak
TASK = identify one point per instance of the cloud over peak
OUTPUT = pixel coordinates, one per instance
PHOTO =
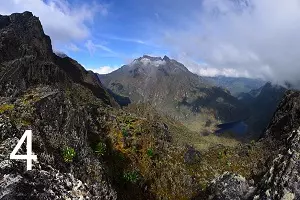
(256, 37)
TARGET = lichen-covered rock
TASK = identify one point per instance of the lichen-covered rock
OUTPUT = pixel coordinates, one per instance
(229, 187)
(282, 181)
(192, 156)
(46, 181)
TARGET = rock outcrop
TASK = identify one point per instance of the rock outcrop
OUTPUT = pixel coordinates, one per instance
(26, 59)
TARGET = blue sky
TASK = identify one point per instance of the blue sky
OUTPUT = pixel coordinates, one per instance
(105, 34)
(249, 38)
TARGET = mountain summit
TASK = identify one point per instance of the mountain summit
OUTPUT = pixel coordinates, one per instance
(172, 89)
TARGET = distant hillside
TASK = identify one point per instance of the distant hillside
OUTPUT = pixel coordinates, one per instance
(236, 85)
(262, 103)
(172, 89)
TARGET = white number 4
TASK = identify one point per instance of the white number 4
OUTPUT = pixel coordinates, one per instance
(29, 157)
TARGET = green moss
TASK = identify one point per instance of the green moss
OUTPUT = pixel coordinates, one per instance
(25, 122)
(29, 99)
(68, 154)
(6, 108)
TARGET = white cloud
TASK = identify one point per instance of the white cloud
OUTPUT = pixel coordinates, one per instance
(255, 37)
(156, 63)
(72, 47)
(61, 20)
(104, 69)
(92, 47)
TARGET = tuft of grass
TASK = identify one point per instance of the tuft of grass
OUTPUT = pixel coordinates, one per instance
(131, 176)
(68, 154)
(100, 149)
(150, 152)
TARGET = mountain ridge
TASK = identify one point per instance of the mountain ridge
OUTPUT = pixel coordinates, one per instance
(170, 87)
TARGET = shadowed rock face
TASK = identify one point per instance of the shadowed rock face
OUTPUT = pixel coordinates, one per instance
(22, 35)
(26, 59)
(286, 118)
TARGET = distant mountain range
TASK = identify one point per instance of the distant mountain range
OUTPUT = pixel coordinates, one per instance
(173, 90)
(236, 85)
(198, 102)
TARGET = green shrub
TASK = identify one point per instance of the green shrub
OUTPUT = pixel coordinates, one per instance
(220, 155)
(150, 152)
(131, 176)
(68, 154)
(100, 148)
(125, 133)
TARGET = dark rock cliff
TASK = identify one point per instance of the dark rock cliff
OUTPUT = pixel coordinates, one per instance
(26, 59)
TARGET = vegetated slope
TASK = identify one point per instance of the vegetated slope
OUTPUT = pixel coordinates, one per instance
(236, 85)
(86, 146)
(262, 103)
(173, 90)
(281, 180)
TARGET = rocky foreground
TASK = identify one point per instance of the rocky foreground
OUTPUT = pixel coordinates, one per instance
(88, 148)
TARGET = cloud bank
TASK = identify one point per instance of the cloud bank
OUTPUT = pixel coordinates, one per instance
(62, 21)
(257, 38)
(104, 69)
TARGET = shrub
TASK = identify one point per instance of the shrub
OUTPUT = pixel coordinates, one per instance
(220, 155)
(125, 133)
(150, 152)
(131, 176)
(100, 148)
(68, 154)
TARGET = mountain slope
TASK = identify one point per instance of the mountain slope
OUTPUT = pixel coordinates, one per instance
(236, 85)
(173, 90)
(262, 103)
